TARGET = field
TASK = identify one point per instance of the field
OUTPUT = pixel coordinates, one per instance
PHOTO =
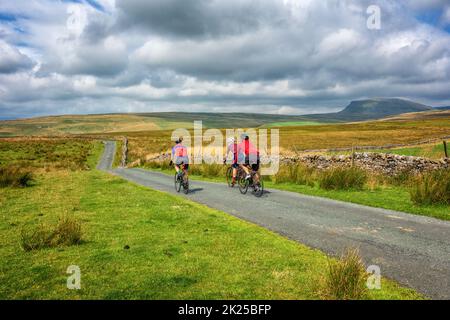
(149, 134)
(139, 243)
(112, 123)
(84, 124)
(294, 140)
(432, 151)
(46, 154)
(291, 124)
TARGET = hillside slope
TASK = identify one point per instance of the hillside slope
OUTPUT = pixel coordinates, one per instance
(363, 110)
(135, 122)
(373, 109)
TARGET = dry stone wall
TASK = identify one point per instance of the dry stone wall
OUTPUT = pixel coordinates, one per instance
(390, 164)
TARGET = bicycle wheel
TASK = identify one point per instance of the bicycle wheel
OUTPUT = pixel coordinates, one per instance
(229, 176)
(243, 184)
(185, 185)
(259, 188)
(177, 183)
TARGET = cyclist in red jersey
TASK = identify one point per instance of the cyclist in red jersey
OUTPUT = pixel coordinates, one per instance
(232, 147)
(248, 156)
(180, 156)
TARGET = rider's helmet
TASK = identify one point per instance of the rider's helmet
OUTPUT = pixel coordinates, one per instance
(244, 136)
(230, 141)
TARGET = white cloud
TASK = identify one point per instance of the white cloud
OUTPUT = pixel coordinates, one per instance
(291, 56)
(446, 16)
(12, 60)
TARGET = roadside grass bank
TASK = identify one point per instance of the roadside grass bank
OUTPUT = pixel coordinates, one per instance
(143, 244)
(377, 191)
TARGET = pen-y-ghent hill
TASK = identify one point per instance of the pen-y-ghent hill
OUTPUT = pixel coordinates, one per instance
(372, 109)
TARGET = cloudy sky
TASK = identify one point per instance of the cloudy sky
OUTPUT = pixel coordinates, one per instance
(272, 56)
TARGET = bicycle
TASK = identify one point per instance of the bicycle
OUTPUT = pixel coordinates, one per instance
(245, 184)
(181, 180)
(229, 175)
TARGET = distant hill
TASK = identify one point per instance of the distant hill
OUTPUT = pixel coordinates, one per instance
(363, 110)
(442, 108)
(433, 114)
(137, 122)
(372, 109)
(225, 120)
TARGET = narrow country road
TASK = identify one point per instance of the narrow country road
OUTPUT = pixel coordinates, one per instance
(413, 250)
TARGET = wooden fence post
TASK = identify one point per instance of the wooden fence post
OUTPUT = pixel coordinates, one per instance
(353, 156)
(445, 149)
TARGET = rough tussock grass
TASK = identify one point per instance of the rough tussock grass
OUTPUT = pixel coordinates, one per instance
(11, 176)
(296, 173)
(342, 178)
(346, 278)
(66, 232)
(431, 188)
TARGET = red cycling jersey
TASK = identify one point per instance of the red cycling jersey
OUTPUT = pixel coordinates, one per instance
(247, 148)
(179, 151)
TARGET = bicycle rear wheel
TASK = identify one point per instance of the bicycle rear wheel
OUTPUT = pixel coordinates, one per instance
(259, 188)
(229, 176)
(178, 183)
(185, 185)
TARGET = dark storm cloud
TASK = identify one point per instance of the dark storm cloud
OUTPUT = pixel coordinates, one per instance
(199, 18)
(287, 56)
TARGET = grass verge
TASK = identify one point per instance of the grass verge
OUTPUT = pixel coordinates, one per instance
(144, 244)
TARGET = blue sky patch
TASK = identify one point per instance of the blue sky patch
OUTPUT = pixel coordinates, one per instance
(433, 17)
(94, 4)
(7, 17)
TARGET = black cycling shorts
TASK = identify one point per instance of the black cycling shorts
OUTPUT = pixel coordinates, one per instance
(186, 166)
(255, 166)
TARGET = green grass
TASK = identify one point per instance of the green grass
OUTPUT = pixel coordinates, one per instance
(47, 153)
(435, 151)
(118, 156)
(177, 249)
(432, 188)
(15, 177)
(292, 124)
(346, 278)
(343, 178)
(388, 197)
(432, 151)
